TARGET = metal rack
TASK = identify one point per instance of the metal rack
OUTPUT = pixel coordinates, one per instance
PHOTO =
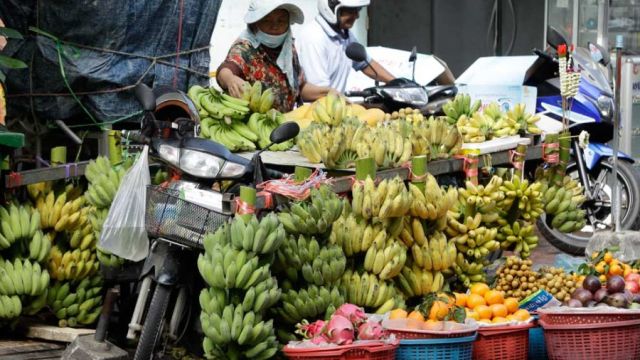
(16, 179)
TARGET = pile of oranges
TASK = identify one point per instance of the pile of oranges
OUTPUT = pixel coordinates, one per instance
(606, 265)
(440, 310)
(490, 306)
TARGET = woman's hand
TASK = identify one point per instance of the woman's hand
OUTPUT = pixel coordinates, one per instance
(232, 83)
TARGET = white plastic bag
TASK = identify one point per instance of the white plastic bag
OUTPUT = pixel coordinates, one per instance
(123, 232)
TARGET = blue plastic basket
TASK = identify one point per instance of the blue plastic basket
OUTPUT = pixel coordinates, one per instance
(537, 348)
(437, 349)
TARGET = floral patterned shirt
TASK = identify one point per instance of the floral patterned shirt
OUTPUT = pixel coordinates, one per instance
(259, 64)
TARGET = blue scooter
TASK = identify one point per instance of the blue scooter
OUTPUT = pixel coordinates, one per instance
(591, 112)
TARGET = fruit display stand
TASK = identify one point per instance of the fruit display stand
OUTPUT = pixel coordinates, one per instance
(509, 342)
(458, 348)
(27, 177)
(379, 351)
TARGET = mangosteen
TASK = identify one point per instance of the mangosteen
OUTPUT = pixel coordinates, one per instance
(615, 284)
(591, 283)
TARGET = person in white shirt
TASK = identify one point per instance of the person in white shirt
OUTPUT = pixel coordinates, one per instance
(322, 43)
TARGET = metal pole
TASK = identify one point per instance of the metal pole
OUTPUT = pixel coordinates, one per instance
(615, 203)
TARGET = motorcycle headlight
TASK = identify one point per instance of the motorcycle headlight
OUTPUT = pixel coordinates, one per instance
(199, 164)
(414, 96)
(231, 169)
(170, 154)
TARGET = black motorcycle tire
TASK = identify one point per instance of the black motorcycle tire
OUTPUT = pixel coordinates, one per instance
(629, 178)
(152, 328)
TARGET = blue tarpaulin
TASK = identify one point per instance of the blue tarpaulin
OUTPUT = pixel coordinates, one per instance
(105, 47)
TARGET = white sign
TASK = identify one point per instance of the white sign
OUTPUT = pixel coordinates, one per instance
(497, 70)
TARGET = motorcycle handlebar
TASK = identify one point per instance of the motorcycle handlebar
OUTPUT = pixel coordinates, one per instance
(136, 136)
(357, 93)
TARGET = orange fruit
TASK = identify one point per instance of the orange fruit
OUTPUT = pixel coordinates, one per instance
(627, 272)
(485, 321)
(494, 297)
(473, 315)
(499, 310)
(479, 288)
(483, 311)
(522, 315)
(607, 257)
(432, 325)
(439, 310)
(511, 304)
(499, 319)
(475, 300)
(461, 299)
(415, 315)
(398, 314)
(451, 300)
(511, 317)
(615, 269)
(603, 278)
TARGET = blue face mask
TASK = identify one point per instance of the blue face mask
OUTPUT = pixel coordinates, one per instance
(271, 41)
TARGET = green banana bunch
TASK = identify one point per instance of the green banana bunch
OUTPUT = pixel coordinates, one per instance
(433, 202)
(310, 303)
(416, 281)
(354, 234)
(39, 247)
(17, 223)
(234, 134)
(108, 259)
(97, 218)
(82, 306)
(521, 198)
(562, 202)
(73, 265)
(460, 106)
(366, 290)
(34, 304)
(314, 216)
(304, 256)
(435, 137)
(470, 272)
(226, 267)
(519, 237)
(10, 307)
(261, 237)
(104, 181)
(527, 122)
(262, 125)
(22, 277)
(435, 254)
(387, 200)
(325, 269)
(217, 105)
(385, 257)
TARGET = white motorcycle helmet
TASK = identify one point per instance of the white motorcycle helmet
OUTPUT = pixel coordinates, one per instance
(329, 9)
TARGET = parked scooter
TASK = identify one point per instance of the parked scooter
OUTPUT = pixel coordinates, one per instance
(177, 216)
(401, 93)
(592, 111)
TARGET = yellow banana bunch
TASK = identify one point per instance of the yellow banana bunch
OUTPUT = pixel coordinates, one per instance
(331, 111)
(354, 234)
(72, 265)
(521, 198)
(39, 189)
(432, 203)
(477, 128)
(435, 254)
(435, 138)
(385, 257)
(73, 215)
(519, 237)
(387, 200)
(527, 122)
(410, 115)
(471, 239)
(460, 106)
(482, 199)
(367, 290)
(416, 281)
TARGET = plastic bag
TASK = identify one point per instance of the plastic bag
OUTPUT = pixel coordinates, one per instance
(123, 232)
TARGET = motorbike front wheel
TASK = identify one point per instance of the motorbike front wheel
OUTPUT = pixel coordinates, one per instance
(153, 324)
(599, 215)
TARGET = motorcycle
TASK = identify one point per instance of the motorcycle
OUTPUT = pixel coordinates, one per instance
(178, 216)
(401, 93)
(592, 112)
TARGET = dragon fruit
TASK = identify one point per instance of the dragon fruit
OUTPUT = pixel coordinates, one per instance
(370, 330)
(354, 313)
(319, 339)
(340, 330)
(309, 331)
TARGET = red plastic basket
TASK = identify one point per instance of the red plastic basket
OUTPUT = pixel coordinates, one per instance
(612, 340)
(580, 318)
(345, 352)
(502, 343)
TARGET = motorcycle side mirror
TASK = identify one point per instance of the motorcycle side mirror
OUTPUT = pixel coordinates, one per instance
(145, 96)
(284, 132)
(605, 107)
(555, 38)
(356, 52)
(606, 58)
